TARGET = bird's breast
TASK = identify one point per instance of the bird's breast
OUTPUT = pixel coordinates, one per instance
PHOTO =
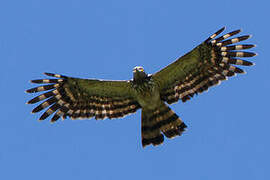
(149, 97)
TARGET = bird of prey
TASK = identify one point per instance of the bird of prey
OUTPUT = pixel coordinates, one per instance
(206, 65)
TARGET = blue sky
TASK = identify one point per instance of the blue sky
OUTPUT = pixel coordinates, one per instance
(228, 127)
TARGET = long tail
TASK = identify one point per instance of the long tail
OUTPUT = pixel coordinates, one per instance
(158, 122)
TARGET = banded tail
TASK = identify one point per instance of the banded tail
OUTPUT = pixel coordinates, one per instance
(160, 122)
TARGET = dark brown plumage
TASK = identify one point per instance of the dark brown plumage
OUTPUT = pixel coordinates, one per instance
(207, 65)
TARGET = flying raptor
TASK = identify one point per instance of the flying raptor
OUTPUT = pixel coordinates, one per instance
(206, 65)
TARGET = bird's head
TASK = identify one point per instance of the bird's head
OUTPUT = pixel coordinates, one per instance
(139, 74)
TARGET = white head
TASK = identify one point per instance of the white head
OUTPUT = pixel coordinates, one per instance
(138, 69)
(139, 74)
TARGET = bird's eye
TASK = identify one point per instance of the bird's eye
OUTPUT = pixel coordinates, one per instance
(141, 69)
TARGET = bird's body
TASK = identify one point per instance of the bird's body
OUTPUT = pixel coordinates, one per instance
(149, 98)
(206, 65)
(146, 91)
(156, 115)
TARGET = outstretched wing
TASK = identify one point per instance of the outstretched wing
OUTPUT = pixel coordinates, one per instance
(206, 65)
(83, 98)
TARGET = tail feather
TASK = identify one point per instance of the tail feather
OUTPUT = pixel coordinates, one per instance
(160, 122)
(150, 135)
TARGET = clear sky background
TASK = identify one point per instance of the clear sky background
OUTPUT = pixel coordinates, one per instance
(228, 127)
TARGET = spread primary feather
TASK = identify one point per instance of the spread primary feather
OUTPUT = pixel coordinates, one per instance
(206, 65)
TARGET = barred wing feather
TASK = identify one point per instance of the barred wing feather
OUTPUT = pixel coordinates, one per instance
(83, 98)
(206, 65)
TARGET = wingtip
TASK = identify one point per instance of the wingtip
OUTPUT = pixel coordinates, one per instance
(40, 119)
(52, 122)
(221, 30)
(48, 74)
(33, 111)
